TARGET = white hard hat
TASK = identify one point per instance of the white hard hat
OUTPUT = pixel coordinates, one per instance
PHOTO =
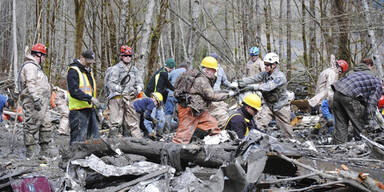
(271, 58)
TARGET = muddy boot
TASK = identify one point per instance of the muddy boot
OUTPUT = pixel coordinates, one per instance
(44, 151)
(31, 151)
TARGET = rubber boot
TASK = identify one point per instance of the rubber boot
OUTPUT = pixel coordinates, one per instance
(31, 151)
(168, 121)
(44, 151)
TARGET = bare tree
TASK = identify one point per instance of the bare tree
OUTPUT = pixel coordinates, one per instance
(15, 68)
(341, 19)
(303, 33)
(268, 23)
(312, 38)
(152, 59)
(142, 52)
(372, 37)
(80, 22)
(289, 51)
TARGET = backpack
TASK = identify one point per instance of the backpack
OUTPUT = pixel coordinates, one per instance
(184, 83)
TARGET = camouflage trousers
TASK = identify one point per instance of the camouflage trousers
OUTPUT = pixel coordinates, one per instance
(123, 118)
(36, 121)
(282, 117)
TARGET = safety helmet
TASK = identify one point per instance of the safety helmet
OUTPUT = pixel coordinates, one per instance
(39, 48)
(126, 50)
(253, 100)
(158, 96)
(209, 62)
(343, 64)
(254, 51)
(381, 102)
(271, 58)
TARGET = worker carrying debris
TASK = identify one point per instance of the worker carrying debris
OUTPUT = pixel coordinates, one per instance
(194, 94)
(82, 98)
(355, 99)
(323, 87)
(274, 90)
(35, 92)
(122, 83)
(242, 120)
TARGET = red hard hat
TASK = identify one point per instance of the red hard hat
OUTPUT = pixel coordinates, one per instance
(39, 48)
(126, 50)
(381, 102)
(343, 64)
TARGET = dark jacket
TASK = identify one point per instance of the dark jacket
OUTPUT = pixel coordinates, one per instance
(73, 82)
(162, 84)
(144, 106)
(240, 121)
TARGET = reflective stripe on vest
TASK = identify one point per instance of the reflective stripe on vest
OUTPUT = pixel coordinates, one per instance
(85, 86)
(157, 76)
(236, 114)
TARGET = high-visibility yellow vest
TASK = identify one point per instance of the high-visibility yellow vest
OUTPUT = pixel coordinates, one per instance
(85, 86)
(245, 119)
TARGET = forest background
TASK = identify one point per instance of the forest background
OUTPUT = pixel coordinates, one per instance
(304, 33)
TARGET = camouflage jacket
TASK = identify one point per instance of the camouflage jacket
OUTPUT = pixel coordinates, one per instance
(273, 88)
(202, 94)
(33, 82)
(114, 76)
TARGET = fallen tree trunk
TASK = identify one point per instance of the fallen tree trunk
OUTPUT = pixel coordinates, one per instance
(204, 155)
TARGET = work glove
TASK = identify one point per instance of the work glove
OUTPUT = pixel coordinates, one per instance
(232, 93)
(234, 85)
(251, 88)
(138, 88)
(155, 121)
(241, 83)
(97, 103)
(37, 104)
(302, 104)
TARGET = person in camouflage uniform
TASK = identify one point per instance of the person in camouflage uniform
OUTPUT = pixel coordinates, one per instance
(193, 111)
(121, 85)
(274, 91)
(35, 92)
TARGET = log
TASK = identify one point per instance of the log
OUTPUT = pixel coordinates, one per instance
(205, 155)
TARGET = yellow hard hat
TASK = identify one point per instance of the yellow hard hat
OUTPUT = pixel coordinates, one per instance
(253, 100)
(209, 62)
(158, 96)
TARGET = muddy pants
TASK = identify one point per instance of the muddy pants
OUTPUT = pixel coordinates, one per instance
(282, 117)
(188, 124)
(123, 118)
(347, 109)
(36, 121)
(83, 124)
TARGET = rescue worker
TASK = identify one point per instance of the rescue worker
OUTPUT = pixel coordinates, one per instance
(170, 103)
(150, 108)
(60, 101)
(323, 88)
(194, 102)
(355, 100)
(82, 99)
(221, 77)
(274, 90)
(159, 81)
(35, 91)
(255, 64)
(5, 101)
(121, 85)
(242, 120)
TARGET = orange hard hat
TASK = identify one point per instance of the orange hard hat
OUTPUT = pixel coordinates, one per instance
(39, 48)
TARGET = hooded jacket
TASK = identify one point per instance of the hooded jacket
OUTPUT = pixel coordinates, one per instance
(33, 82)
(73, 82)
